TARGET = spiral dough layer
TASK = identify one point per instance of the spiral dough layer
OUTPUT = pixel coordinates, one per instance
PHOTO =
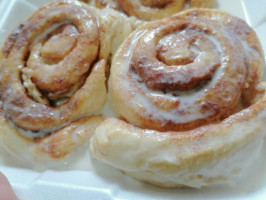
(148, 9)
(52, 78)
(188, 94)
(184, 71)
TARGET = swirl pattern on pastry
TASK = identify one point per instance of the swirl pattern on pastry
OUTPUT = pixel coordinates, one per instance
(53, 78)
(182, 87)
(147, 9)
(150, 10)
(180, 71)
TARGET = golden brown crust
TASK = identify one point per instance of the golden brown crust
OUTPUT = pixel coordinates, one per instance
(207, 155)
(54, 147)
(217, 72)
(177, 125)
(149, 10)
(57, 78)
(53, 78)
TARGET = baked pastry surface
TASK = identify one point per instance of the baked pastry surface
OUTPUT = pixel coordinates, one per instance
(148, 9)
(190, 103)
(53, 78)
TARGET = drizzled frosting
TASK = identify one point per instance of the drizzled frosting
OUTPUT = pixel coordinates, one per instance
(182, 72)
(54, 72)
(53, 80)
(190, 105)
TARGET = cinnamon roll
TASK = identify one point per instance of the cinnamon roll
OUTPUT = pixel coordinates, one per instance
(53, 78)
(189, 101)
(148, 9)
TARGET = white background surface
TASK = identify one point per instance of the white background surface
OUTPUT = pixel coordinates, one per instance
(102, 182)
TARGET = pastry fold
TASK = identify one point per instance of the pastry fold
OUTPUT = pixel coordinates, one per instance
(189, 101)
(148, 9)
(53, 78)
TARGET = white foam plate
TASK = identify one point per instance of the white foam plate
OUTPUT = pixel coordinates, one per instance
(96, 181)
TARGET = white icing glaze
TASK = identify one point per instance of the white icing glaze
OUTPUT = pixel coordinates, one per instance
(47, 31)
(138, 95)
(159, 157)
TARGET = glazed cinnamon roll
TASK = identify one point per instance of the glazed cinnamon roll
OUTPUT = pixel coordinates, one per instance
(189, 101)
(53, 78)
(148, 9)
